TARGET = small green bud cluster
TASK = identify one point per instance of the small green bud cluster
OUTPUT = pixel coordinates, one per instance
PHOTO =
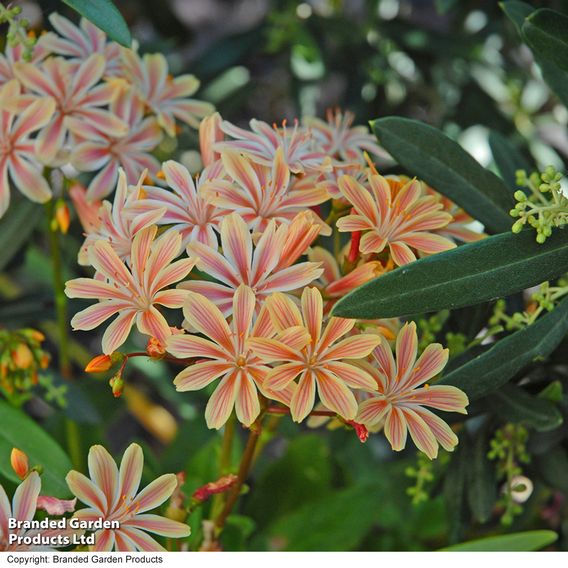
(424, 474)
(430, 327)
(17, 33)
(544, 208)
(509, 450)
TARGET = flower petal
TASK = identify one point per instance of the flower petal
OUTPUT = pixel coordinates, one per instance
(199, 375)
(86, 491)
(221, 402)
(395, 429)
(421, 434)
(104, 473)
(354, 347)
(336, 396)
(247, 405)
(154, 494)
(304, 397)
(131, 471)
(160, 525)
(371, 411)
(25, 497)
(117, 332)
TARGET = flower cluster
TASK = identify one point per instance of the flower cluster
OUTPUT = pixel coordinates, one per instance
(246, 243)
(81, 100)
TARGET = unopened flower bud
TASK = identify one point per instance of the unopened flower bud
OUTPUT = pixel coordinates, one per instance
(212, 488)
(360, 430)
(62, 216)
(22, 356)
(117, 385)
(99, 364)
(517, 227)
(20, 463)
(520, 195)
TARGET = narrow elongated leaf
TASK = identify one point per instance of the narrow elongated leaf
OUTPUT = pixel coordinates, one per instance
(507, 357)
(556, 78)
(20, 431)
(16, 227)
(482, 484)
(507, 158)
(106, 16)
(448, 168)
(516, 405)
(546, 32)
(515, 542)
(492, 268)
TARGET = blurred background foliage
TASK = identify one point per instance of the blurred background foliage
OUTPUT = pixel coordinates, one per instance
(456, 64)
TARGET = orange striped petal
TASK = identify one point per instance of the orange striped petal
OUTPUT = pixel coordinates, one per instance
(406, 349)
(25, 498)
(312, 310)
(283, 311)
(130, 472)
(429, 364)
(247, 405)
(372, 411)
(336, 396)
(280, 377)
(443, 433)
(401, 253)
(117, 332)
(104, 473)
(442, 397)
(355, 347)
(221, 402)
(199, 375)
(304, 397)
(421, 434)
(359, 197)
(270, 350)
(160, 525)
(335, 328)
(154, 494)
(352, 376)
(187, 346)
(395, 429)
(86, 491)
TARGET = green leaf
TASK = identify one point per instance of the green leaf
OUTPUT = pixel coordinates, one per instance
(553, 466)
(16, 228)
(546, 32)
(553, 392)
(338, 524)
(448, 168)
(517, 12)
(515, 542)
(106, 16)
(510, 355)
(20, 431)
(470, 274)
(556, 79)
(516, 405)
(507, 158)
(482, 484)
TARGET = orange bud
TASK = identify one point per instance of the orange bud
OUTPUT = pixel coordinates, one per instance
(19, 462)
(99, 364)
(22, 356)
(62, 216)
(155, 349)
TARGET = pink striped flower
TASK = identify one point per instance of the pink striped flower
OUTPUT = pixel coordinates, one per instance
(76, 94)
(98, 151)
(323, 362)
(114, 224)
(260, 193)
(78, 43)
(226, 355)
(338, 137)
(396, 215)
(133, 293)
(401, 398)
(165, 96)
(112, 495)
(23, 508)
(186, 209)
(265, 268)
(19, 166)
(262, 142)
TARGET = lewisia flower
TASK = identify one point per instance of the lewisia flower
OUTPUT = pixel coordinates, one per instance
(266, 269)
(97, 150)
(338, 137)
(80, 42)
(112, 495)
(300, 153)
(113, 223)
(226, 354)
(401, 397)
(76, 94)
(18, 163)
(260, 193)
(321, 362)
(393, 214)
(186, 209)
(23, 508)
(13, 54)
(165, 96)
(132, 293)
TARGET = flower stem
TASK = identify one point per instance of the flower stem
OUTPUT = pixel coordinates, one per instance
(224, 463)
(244, 469)
(71, 428)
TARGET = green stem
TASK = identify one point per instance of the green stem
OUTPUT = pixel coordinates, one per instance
(224, 464)
(71, 427)
(244, 469)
